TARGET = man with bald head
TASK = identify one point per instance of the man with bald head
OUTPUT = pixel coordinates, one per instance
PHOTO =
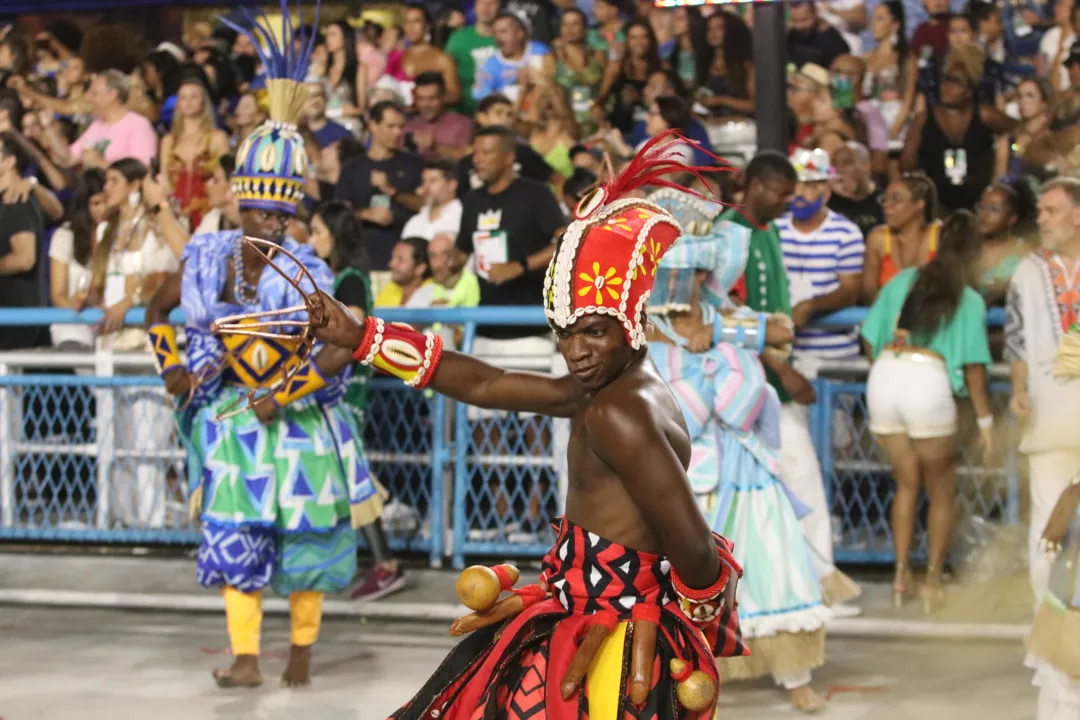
(854, 194)
(455, 286)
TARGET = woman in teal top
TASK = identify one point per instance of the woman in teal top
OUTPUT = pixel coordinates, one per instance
(336, 236)
(1005, 212)
(927, 335)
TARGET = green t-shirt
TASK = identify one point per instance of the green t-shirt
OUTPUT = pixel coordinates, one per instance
(465, 294)
(766, 277)
(962, 341)
(469, 49)
(598, 40)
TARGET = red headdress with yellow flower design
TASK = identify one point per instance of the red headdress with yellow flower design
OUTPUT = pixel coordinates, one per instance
(606, 261)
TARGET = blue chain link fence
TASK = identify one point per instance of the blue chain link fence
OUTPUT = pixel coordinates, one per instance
(858, 479)
(93, 457)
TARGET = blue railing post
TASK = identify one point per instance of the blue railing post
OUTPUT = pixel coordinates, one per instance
(438, 465)
(461, 463)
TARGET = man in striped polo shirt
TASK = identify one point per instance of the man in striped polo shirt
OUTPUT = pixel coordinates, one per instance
(823, 256)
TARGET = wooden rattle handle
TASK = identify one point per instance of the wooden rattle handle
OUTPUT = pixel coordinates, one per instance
(508, 607)
(586, 652)
(642, 658)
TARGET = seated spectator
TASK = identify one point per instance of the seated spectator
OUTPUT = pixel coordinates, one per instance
(441, 213)
(819, 123)
(435, 131)
(224, 212)
(191, 150)
(848, 17)
(325, 131)
(579, 68)
(471, 46)
(343, 72)
(891, 70)
(116, 132)
(330, 160)
(455, 285)
(991, 83)
(553, 131)
(691, 55)
(823, 255)
(518, 60)
(931, 38)
(69, 257)
(953, 142)
(21, 250)
(1035, 98)
(420, 57)
(1055, 46)
(381, 184)
(508, 225)
(247, 116)
(410, 283)
(588, 157)
(1072, 69)
(909, 237)
(622, 91)
(728, 92)
(608, 36)
(130, 259)
(812, 40)
(854, 194)
(871, 129)
(1004, 221)
(497, 111)
(577, 186)
(665, 113)
(664, 84)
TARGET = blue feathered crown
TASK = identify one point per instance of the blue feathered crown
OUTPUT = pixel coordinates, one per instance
(272, 163)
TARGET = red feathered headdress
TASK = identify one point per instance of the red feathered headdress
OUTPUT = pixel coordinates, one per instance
(606, 262)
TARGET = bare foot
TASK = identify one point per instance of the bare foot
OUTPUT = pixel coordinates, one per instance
(804, 699)
(298, 671)
(243, 673)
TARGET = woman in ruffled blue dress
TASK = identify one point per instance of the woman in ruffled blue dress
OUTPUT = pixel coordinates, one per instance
(709, 355)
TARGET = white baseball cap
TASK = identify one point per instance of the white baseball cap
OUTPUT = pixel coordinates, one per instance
(811, 165)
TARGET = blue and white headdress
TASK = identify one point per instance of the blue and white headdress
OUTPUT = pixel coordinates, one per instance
(272, 163)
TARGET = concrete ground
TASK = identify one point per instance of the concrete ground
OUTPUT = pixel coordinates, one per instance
(124, 665)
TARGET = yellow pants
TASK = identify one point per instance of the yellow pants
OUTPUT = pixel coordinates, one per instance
(243, 614)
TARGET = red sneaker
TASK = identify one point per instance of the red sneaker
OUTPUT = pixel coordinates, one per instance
(379, 583)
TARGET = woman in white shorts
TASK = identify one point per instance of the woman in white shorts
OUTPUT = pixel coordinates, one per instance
(927, 335)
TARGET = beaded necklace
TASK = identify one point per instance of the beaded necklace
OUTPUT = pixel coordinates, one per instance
(246, 293)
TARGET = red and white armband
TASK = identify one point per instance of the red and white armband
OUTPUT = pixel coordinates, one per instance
(400, 350)
(704, 605)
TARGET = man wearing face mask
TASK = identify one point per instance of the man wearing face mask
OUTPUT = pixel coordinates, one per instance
(823, 256)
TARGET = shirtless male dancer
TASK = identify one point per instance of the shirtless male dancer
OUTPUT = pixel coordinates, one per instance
(634, 554)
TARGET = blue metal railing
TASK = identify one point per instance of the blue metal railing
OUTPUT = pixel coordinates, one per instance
(447, 316)
(504, 472)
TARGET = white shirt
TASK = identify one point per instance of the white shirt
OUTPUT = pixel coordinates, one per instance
(815, 261)
(62, 249)
(422, 226)
(853, 39)
(1049, 47)
(211, 222)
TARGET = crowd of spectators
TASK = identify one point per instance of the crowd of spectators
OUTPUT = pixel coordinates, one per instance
(432, 128)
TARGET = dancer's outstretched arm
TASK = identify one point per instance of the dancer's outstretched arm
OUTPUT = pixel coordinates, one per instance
(460, 376)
